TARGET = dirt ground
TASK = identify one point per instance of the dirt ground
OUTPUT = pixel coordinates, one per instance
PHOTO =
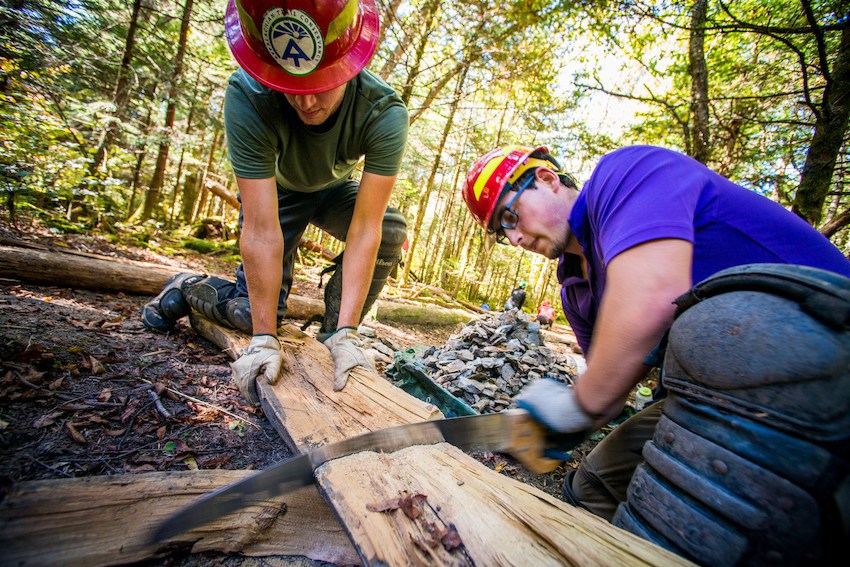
(86, 390)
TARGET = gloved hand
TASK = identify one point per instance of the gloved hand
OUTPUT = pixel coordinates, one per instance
(554, 404)
(261, 358)
(347, 354)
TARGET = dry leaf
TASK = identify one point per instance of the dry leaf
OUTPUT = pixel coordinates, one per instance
(411, 505)
(47, 419)
(384, 505)
(75, 435)
(452, 539)
(96, 366)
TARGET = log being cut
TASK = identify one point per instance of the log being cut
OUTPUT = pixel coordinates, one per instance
(425, 504)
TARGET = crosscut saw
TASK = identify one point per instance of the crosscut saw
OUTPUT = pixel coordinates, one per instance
(513, 431)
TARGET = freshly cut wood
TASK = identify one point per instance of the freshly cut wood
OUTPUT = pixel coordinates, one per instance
(303, 407)
(105, 520)
(427, 491)
(499, 521)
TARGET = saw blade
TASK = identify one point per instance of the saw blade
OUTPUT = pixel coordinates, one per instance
(484, 432)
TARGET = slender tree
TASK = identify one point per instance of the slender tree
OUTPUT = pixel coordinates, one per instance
(155, 186)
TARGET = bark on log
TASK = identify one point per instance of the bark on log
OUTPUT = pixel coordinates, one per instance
(91, 271)
(105, 520)
(81, 270)
(500, 521)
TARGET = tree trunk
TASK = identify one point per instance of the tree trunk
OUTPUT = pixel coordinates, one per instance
(202, 200)
(120, 95)
(830, 130)
(153, 192)
(91, 271)
(141, 150)
(423, 201)
(699, 83)
(428, 14)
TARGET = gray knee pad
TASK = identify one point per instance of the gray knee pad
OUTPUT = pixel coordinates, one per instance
(750, 463)
(163, 311)
(393, 235)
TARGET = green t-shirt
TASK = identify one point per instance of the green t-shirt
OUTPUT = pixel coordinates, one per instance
(265, 137)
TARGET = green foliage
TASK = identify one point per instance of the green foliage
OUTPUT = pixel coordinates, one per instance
(579, 77)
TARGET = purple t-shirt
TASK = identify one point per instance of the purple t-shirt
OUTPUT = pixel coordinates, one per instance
(642, 193)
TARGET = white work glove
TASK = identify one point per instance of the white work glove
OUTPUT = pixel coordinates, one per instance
(554, 404)
(346, 354)
(261, 358)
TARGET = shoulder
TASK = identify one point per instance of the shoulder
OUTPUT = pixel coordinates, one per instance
(243, 91)
(643, 157)
(631, 167)
(376, 97)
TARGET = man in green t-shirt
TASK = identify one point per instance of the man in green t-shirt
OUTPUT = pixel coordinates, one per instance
(299, 115)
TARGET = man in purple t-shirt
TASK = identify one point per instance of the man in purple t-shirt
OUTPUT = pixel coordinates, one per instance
(648, 225)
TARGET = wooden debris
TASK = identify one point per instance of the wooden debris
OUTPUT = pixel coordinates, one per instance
(105, 520)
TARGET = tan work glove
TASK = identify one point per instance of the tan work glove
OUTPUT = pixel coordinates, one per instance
(346, 353)
(261, 358)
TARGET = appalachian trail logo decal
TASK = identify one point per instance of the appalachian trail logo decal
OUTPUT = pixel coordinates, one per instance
(294, 40)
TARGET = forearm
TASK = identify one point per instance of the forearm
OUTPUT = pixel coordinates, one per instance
(261, 245)
(361, 251)
(361, 245)
(262, 255)
(636, 310)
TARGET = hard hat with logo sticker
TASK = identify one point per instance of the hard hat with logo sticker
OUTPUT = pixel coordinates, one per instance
(302, 46)
(494, 173)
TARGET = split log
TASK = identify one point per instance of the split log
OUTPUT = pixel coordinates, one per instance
(498, 521)
(104, 520)
(302, 405)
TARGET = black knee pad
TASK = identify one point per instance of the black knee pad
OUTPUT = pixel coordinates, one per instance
(163, 311)
(750, 463)
(393, 235)
(215, 299)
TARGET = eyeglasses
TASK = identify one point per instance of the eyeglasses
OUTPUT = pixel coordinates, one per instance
(509, 218)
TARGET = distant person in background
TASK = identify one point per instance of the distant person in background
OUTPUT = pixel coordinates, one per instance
(517, 298)
(546, 314)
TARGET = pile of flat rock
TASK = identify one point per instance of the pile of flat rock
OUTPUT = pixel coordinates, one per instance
(490, 359)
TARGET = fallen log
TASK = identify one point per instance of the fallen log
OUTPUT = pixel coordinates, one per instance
(83, 270)
(91, 271)
(495, 520)
(105, 520)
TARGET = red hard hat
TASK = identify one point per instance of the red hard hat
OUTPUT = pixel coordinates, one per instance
(492, 173)
(302, 46)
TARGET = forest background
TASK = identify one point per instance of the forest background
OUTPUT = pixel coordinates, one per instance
(111, 113)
